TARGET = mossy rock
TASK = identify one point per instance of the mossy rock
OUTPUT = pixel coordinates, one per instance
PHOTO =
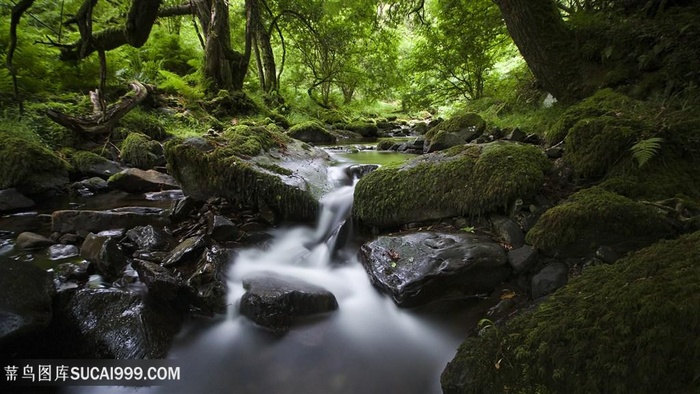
(332, 117)
(139, 151)
(630, 327)
(595, 217)
(227, 104)
(246, 141)
(30, 167)
(312, 132)
(139, 121)
(385, 144)
(366, 129)
(604, 102)
(594, 145)
(83, 161)
(464, 180)
(459, 129)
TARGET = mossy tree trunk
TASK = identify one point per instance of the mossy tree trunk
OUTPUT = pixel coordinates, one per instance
(267, 69)
(548, 46)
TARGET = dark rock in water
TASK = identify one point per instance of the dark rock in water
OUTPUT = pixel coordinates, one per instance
(151, 238)
(26, 293)
(189, 249)
(357, 171)
(508, 230)
(90, 186)
(70, 221)
(134, 180)
(183, 208)
(11, 199)
(104, 252)
(111, 323)
(523, 258)
(28, 241)
(59, 251)
(550, 278)
(422, 267)
(222, 229)
(102, 169)
(273, 301)
(160, 281)
(70, 239)
(207, 284)
(74, 271)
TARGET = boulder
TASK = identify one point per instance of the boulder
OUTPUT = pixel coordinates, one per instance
(549, 279)
(523, 258)
(274, 301)
(59, 251)
(134, 180)
(312, 132)
(469, 180)
(207, 285)
(28, 241)
(189, 249)
(26, 293)
(30, 168)
(104, 252)
(421, 267)
(93, 165)
(221, 229)
(11, 199)
(458, 130)
(507, 230)
(151, 238)
(160, 281)
(113, 323)
(73, 221)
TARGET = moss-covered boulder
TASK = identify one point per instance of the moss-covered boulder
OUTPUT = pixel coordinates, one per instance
(365, 128)
(227, 104)
(91, 164)
(312, 132)
(255, 167)
(140, 121)
(595, 217)
(630, 327)
(464, 180)
(140, 151)
(459, 129)
(30, 167)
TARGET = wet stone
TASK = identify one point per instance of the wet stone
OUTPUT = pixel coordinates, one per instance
(549, 279)
(60, 251)
(29, 241)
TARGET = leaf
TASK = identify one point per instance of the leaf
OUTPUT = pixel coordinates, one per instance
(468, 229)
(646, 149)
(508, 294)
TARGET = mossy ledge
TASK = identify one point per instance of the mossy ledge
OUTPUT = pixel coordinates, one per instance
(630, 327)
(595, 217)
(30, 167)
(463, 180)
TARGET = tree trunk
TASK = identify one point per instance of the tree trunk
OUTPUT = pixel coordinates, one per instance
(266, 58)
(548, 46)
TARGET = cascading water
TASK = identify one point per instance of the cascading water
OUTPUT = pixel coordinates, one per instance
(367, 346)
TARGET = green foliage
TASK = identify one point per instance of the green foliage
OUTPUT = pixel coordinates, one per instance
(627, 327)
(185, 86)
(140, 121)
(646, 149)
(138, 150)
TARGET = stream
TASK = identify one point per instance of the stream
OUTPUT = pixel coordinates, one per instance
(367, 346)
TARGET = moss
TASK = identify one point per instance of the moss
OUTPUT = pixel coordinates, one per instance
(630, 327)
(313, 132)
(139, 121)
(385, 144)
(227, 104)
(138, 150)
(594, 145)
(604, 102)
(276, 169)
(82, 161)
(595, 217)
(459, 129)
(29, 166)
(247, 141)
(332, 117)
(279, 120)
(466, 180)
(367, 129)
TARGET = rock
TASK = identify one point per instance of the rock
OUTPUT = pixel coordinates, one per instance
(594, 217)
(465, 181)
(523, 258)
(189, 249)
(422, 267)
(421, 128)
(549, 279)
(460, 129)
(28, 241)
(184, 208)
(357, 171)
(516, 135)
(134, 180)
(26, 293)
(26, 221)
(554, 152)
(151, 238)
(533, 139)
(11, 199)
(59, 251)
(607, 254)
(207, 285)
(312, 132)
(199, 143)
(112, 323)
(508, 230)
(222, 229)
(104, 252)
(70, 221)
(30, 167)
(92, 185)
(274, 301)
(160, 281)
(71, 239)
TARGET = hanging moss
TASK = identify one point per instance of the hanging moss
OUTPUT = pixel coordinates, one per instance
(630, 327)
(139, 151)
(30, 167)
(595, 217)
(464, 180)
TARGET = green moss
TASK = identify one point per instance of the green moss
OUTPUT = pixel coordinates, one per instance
(603, 102)
(138, 150)
(276, 169)
(247, 141)
(313, 132)
(367, 129)
(83, 160)
(595, 217)
(29, 166)
(332, 117)
(227, 104)
(630, 327)
(593, 145)
(459, 129)
(466, 180)
(140, 121)
(385, 144)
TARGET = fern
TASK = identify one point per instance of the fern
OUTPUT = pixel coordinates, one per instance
(646, 149)
(173, 83)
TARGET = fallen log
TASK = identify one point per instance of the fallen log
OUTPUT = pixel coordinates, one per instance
(102, 122)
